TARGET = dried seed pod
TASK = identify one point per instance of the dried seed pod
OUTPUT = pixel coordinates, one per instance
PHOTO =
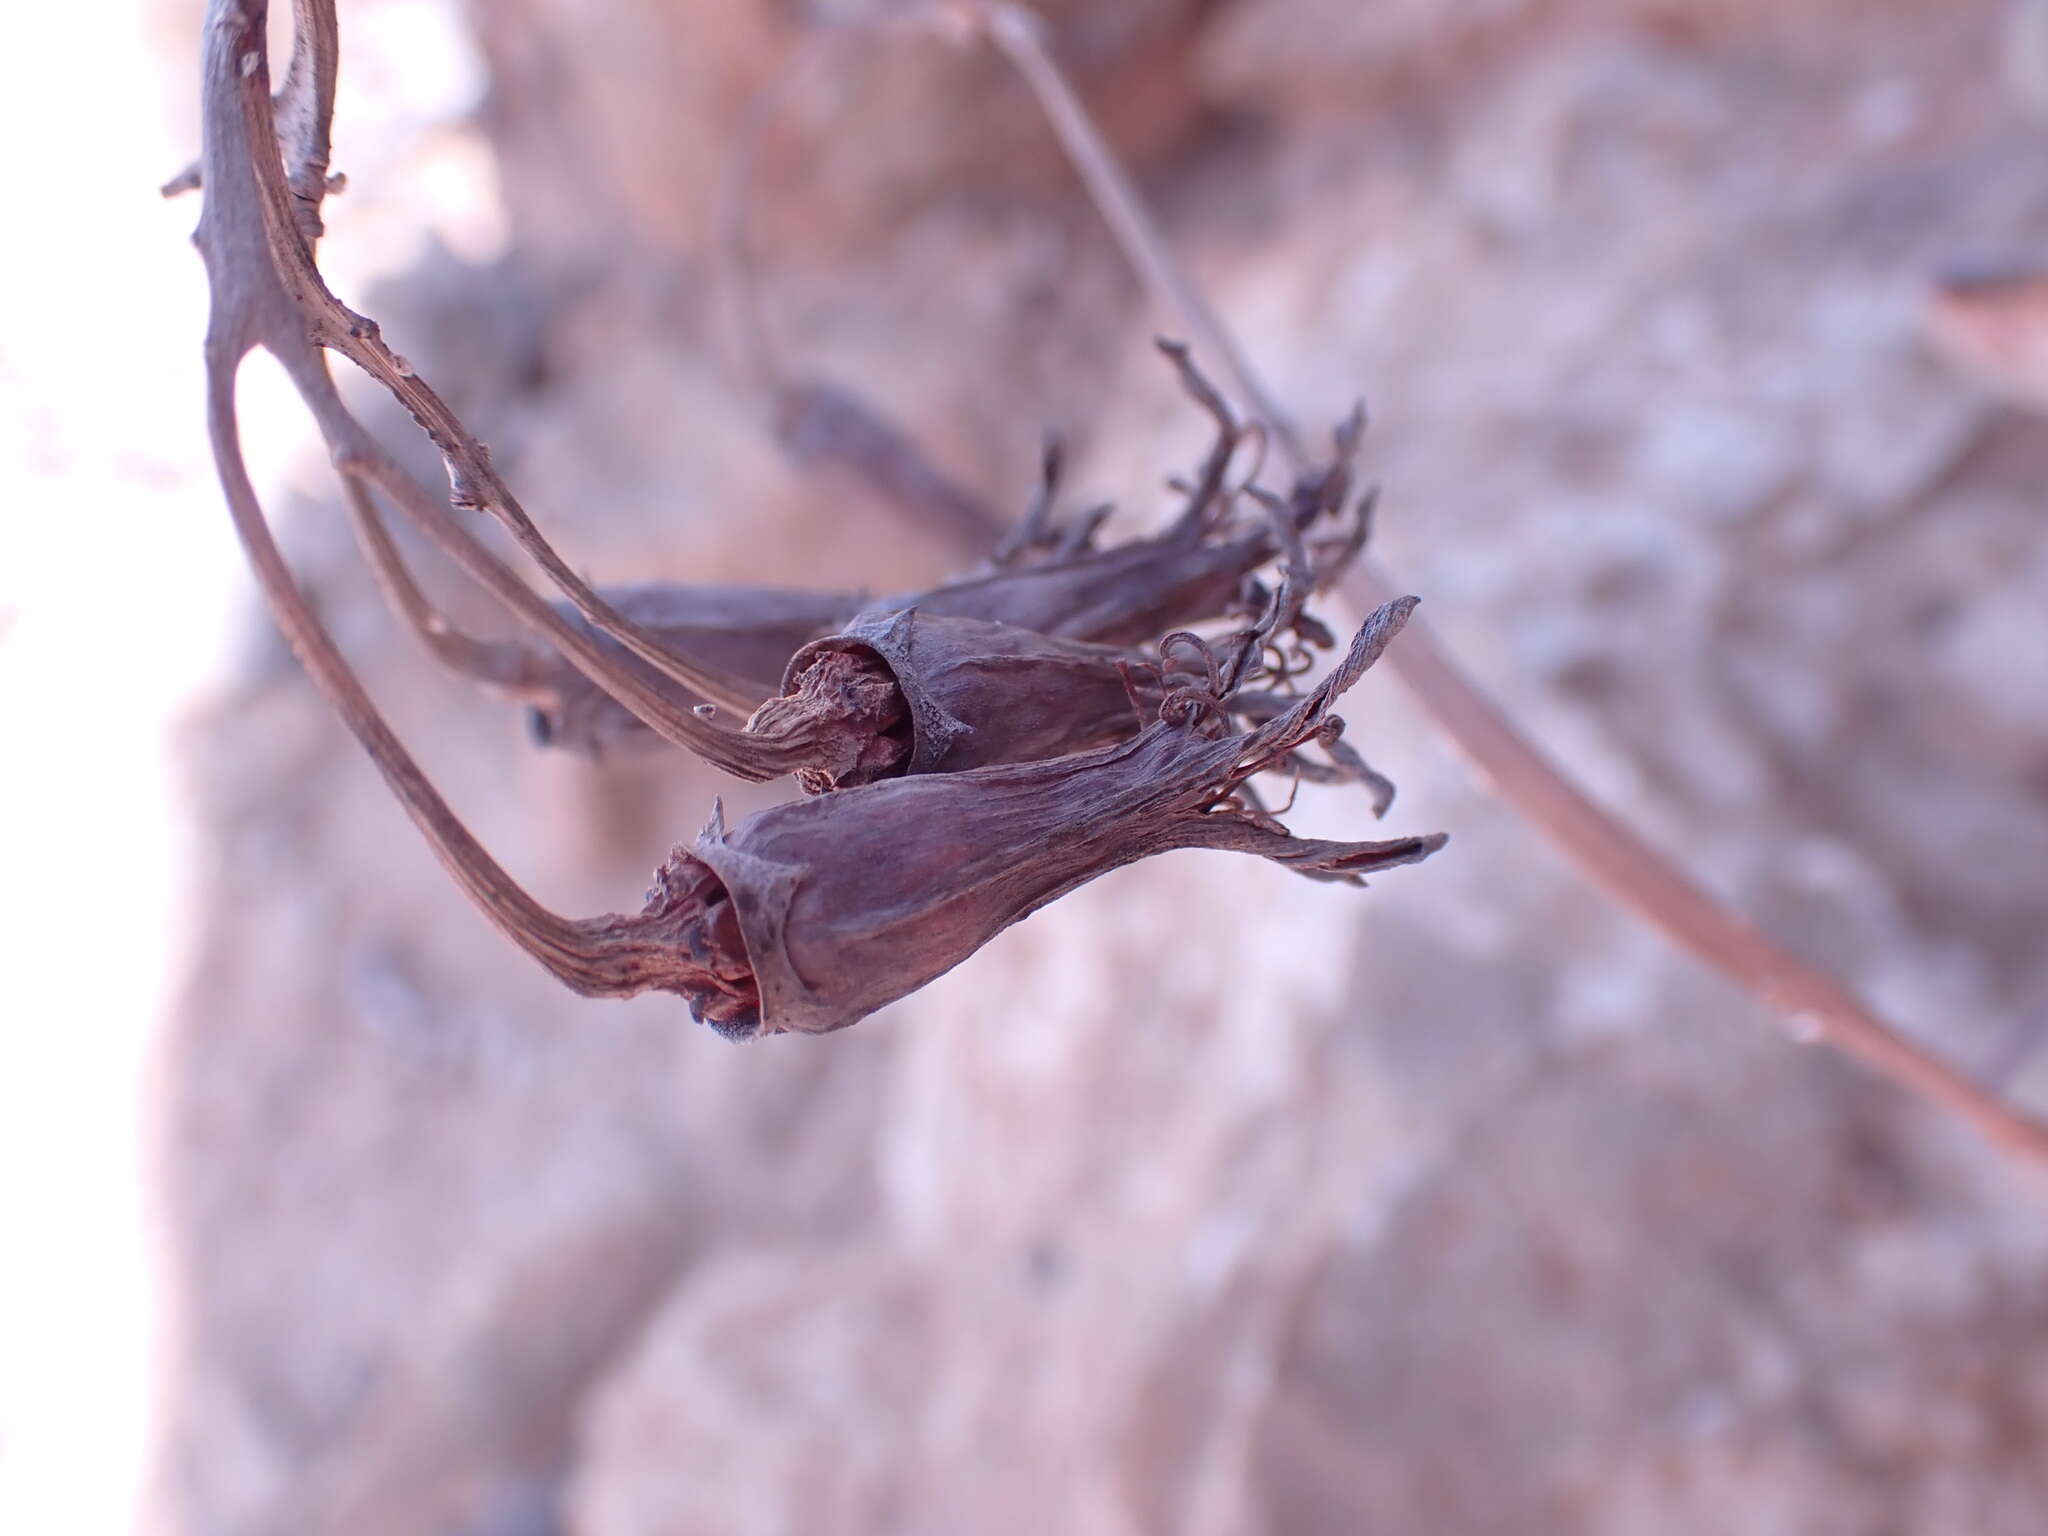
(1127, 594)
(1046, 579)
(1131, 593)
(749, 633)
(913, 692)
(845, 902)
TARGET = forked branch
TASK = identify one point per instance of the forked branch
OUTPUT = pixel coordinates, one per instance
(254, 231)
(247, 197)
(287, 204)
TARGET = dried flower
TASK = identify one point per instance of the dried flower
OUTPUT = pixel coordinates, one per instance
(1127, 594)
(811, 915)
(913, 692)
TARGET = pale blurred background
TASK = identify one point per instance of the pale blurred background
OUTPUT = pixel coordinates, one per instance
(1208, 1200)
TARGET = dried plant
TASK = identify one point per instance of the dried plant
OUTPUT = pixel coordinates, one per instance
(916, 690)
(847, 901)
(815, 913)
(750, 632)
(1047, 587)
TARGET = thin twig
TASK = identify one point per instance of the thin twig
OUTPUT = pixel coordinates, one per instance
(507, 670)
(291, 222)
(1816, 1006)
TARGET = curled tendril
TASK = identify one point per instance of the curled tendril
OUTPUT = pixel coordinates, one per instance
(1193, 707)
(1188, 640)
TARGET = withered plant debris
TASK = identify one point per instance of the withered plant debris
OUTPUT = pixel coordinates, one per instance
(992, 668)
(978, 750)
(845, 902)
(918, 689)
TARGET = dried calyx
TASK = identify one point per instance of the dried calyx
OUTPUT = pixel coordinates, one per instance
(922, 689)
(846, 711)
(1048, 579)
(687, 940)
(845, 902)
(916, 693)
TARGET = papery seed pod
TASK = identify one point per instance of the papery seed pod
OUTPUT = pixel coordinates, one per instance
(1131, 593)
(749, 633)
(913, 692)
(1127, 594)
(845, 902)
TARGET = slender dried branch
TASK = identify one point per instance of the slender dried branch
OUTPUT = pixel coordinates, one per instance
(290, 212)
(1992, 327)
(657, 705)
(1816, 1006)
(264, 297)
(507, 670)
(830, 426)
(250, 308)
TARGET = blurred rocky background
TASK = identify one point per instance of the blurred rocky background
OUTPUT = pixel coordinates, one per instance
(1209, 1200)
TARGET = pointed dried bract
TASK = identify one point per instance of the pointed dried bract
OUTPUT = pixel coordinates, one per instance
(913, 692)
(1200, 568)
(686, 940)
(846, 902)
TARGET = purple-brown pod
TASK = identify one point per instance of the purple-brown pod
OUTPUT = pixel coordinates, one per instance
(843, 903)
(750, 633)
(913, 692)
(1127, 594)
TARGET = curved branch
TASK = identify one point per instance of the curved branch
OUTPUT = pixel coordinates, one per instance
(506, 670)
(607, 956)
(288, 208)
(253, 242)
(817, 421)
